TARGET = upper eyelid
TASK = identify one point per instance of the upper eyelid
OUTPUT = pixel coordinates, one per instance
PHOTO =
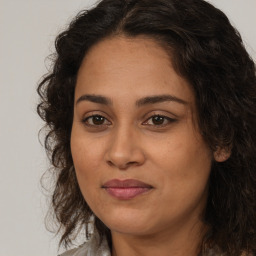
(95, 113)
(162, 115)
(159, 113)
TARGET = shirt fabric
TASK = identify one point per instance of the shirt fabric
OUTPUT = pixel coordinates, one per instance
(92, 248)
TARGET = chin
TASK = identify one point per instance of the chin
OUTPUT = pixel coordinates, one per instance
(127, 223)
(129, 229)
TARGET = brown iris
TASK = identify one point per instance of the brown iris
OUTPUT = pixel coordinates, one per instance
(158, 120)
(98, 120)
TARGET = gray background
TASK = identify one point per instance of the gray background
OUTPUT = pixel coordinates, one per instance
(27, 32)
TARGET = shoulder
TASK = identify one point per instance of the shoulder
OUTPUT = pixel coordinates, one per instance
(81, 250)
(92, 247)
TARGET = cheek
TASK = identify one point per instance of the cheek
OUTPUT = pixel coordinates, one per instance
(86, 156)
(85, 151)
(183, 163)
(86, 163)
(186, 150)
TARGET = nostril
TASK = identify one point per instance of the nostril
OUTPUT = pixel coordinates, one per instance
(110, 163)
(132, 163)
(122, 166)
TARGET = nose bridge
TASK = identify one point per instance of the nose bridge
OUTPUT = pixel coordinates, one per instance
(124, 148)
(120, 136)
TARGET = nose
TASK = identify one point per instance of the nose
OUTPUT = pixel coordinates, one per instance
(124, 150)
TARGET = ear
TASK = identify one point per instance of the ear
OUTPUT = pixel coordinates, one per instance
(222, 154)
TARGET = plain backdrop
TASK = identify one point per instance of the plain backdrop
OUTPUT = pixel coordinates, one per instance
(27, 32)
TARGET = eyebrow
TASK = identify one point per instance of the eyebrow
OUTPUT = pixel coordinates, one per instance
(158, 99)
(141, 102)
(95, 99)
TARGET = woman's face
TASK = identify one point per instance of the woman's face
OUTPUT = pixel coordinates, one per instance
(139, 157)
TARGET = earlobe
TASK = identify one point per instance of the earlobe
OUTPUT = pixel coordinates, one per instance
(222, 154)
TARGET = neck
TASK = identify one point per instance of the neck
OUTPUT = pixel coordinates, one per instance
(169, 242)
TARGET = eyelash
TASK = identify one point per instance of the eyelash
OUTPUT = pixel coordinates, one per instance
(167, 121)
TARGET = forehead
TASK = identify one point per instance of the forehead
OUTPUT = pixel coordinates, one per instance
(138, 66)
(123, 52)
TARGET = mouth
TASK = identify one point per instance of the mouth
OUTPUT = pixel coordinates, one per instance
(126, 189)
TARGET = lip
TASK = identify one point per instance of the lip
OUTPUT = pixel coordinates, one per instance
(126, 189)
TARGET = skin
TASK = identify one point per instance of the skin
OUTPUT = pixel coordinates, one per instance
(127, 143)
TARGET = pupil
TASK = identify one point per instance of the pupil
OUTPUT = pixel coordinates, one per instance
(158, 120)
(98, 120)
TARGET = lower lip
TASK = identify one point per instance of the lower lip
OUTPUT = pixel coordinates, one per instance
(127, 193)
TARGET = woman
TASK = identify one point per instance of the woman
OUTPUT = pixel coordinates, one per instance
(151, 113)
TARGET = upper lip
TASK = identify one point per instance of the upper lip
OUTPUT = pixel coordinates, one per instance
(128, 183)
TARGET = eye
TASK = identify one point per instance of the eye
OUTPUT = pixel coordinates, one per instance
(96, 120)
(159, 120)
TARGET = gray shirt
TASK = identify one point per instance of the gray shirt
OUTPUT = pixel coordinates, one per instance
(92, 248)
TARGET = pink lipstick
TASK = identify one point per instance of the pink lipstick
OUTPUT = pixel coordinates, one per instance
(126, 189)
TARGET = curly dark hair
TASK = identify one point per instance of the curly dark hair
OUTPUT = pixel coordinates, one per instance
(206, 50)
